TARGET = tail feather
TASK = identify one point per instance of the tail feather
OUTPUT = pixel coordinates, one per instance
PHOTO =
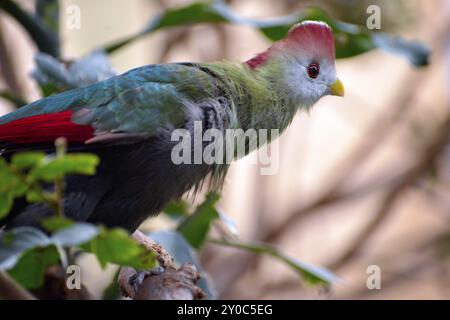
(53, 104)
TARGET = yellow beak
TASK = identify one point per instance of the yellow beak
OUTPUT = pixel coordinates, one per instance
(337, 89)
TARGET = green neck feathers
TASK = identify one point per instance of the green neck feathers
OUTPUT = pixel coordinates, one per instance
(259, 97)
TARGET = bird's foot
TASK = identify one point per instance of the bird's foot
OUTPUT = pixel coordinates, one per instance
(166, 282)
(136, 280)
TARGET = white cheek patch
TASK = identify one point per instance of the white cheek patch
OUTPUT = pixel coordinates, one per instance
(301, 89)
(299, 85)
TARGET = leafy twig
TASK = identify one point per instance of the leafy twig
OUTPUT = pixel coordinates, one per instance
(351, 40)
(310, 274)
(61, 146)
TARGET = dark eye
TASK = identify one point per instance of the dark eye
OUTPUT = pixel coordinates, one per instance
(313, 70)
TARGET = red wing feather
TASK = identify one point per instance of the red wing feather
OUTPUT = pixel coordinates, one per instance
(45, 128)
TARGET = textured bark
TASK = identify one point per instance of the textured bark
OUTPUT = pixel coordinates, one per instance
(164, 283)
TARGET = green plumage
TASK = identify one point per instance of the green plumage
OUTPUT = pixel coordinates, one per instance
(142, 101)
(133, 117)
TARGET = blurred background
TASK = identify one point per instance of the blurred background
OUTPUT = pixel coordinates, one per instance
(362, 181)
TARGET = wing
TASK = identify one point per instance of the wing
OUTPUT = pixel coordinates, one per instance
(136, 104)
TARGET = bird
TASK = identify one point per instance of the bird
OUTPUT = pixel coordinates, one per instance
(128, 121)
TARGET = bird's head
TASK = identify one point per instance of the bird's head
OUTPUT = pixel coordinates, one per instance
(303, 64)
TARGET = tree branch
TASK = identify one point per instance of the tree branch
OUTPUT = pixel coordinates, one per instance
(429, 155)
(11, 290)
(166, 283)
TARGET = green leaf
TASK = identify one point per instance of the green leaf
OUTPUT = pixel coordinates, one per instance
(310, 274)
(68, 164)
(26, 160)
(33, 196)
(49, 89)
(53, 224)
(112, 291)
(177, 209)
(13, 243)
(116, 246)
(30, 270)
(201, 12)
(74, 235)
(9, 181)
(350, 39)
(6, 203)
(21, 246)
(195, 228)
(10, 187)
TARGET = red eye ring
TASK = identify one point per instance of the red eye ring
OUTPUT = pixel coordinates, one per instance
(313, 70)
